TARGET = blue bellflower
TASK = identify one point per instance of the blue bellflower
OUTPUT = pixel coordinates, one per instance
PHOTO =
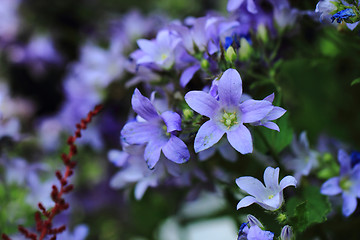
(227, 115)
(348, 183)
(156, 131)
(343, 15)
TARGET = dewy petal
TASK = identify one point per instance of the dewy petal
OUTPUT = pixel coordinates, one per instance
(255, 110)
(331, 187)
(241, 139)
(152, 152)
(188, 74)
(172, 121)
(143, 106)
(345, 162)
(234, 4)
(208, 134)
(349, 204)
(230, 88)
(176, 150)
(202, 102)
(252, 186)
(287, 181)
(246, 201)
(271, 178)
(139, 132)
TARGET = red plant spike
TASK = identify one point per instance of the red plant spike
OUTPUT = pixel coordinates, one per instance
(44, 227)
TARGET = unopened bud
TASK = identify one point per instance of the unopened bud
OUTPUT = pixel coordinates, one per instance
(204, 64)
(245, 50)
(253, 221)
(188, 113)
(286, 233)
(262, 33)
(230, 55)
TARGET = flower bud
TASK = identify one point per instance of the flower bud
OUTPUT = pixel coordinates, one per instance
(253, 221)
(262, 33)
(245, 50)
(204, 64)
(230, 55)
(286, 233)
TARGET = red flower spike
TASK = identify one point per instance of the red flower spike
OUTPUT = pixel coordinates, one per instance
(44, 227)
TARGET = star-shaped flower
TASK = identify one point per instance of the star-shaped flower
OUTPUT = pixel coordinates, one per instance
(269, 196)
(227, 115)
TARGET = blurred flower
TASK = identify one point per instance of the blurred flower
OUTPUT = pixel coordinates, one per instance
(9, 19)
(79, 233)
(269, 196)
(156, 131)
(303, 159)
(235, 4)
(347, 183)
(223, 147)
(226, 115)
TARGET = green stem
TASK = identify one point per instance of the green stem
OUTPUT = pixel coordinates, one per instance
(269, 147)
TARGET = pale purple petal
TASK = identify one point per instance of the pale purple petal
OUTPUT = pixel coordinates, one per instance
(287, 181)
(139, 132)
(143, 106)
(188, 74)
(176, 150)
(271, 178)
(271, 125)
(234, 4)
(352, 26)
(275, 113)
(142, 186)
(345, 162)
(228, 152)
(349, 204)
(331, 187)
(172, 121)
(270, 98)
(202, 102)
(255, 110)
(203, 155)
(246, 201)
(230, 88)
(152, 152)
(251, 6)
(251, 185)
(241, 139)
(118, 158)
(148, 46)
(255, 233)
(208, 134)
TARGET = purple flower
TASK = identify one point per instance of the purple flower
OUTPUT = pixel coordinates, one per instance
(156, 131)
(227, 115)
(348, 183)
(160, 51)
(269, 196)
(79, 233)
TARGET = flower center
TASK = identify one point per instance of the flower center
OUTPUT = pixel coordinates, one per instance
(345, 183)
(164, 127)
(229, 119)
(271, 196)
(163, 56)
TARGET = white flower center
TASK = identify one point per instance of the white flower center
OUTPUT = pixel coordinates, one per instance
(229, 119)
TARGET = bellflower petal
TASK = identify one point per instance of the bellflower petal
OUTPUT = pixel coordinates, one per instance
(118, 158)
(349, 204)
(172, 121)
(152, 152)
(202, 103)
(275, 113)
(143, 106)
(138, 132)
(142, 186)
(147, 46)
(246, 201)
(287, 181)
(234, 4)
(176, 150)
(205, 154)
(331, 187)
(230, 88)
(251, 185)
(272, 125)
(208, 134)
(270, 98)
(271, 178)
(251, 6)
(241, 139)
(188, 74)
(255, 110)
(345, 162)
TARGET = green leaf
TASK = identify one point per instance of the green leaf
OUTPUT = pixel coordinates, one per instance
(277, 140)
(311, 208)
(356, 81)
